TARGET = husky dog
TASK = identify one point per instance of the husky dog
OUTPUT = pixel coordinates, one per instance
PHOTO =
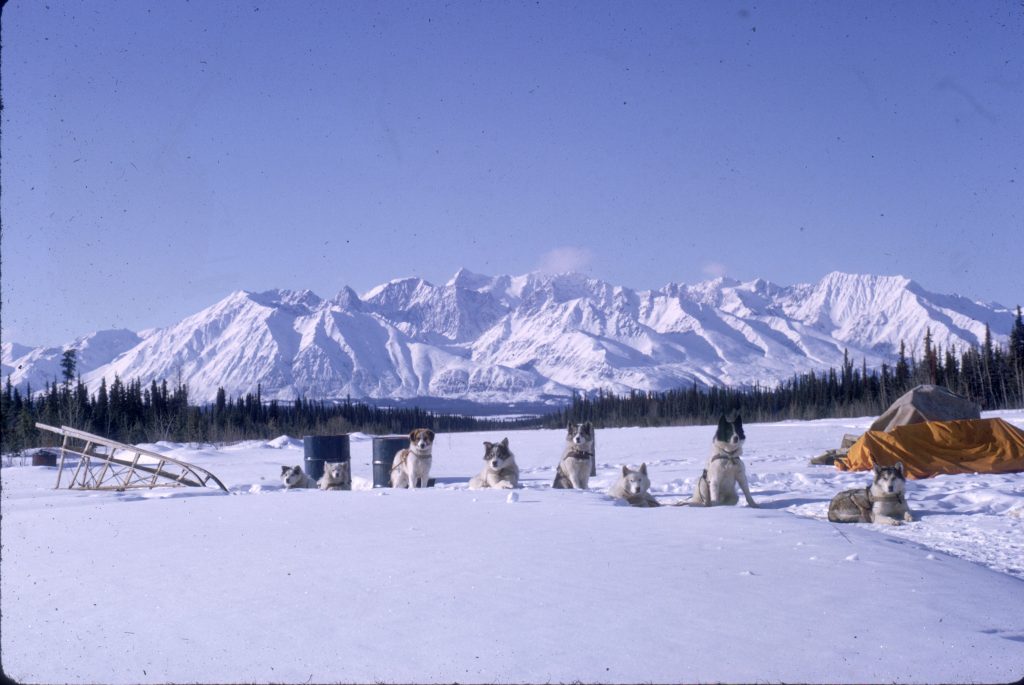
(294, 477)
(337, 476)
(880, 502)
(717, 484)
(411, 468)
(500, 469)
(633, 487)
(574, 469)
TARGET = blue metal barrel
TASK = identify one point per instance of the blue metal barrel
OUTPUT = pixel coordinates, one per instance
(323, 449)
(385, 447)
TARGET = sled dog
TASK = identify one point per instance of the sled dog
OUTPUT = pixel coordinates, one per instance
(500, 469)
(633, 486)
(294, 477)
(411, 468)
(574, 468)
(881, 502)
(337, 476)
(717, 484)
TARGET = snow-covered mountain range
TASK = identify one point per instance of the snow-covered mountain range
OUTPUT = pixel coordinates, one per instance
(521, 338)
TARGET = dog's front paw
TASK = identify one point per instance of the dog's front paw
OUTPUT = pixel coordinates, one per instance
(504, 485)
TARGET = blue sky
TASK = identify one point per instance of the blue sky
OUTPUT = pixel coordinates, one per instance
(157, 156)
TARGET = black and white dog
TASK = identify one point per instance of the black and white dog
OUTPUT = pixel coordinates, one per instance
(717, 485)
(574, 468)
(295, 477)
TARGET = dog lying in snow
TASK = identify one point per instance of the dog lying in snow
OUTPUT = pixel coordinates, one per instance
(337, 476)
(295, 477)
(633, 487)
(881, 502)
(500, 468)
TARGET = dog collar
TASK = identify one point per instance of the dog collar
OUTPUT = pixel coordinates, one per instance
(894, 497)
(580, 454)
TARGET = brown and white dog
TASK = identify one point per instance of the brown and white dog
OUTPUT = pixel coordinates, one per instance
(411, 468)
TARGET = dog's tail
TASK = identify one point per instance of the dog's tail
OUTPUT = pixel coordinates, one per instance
(697, 499)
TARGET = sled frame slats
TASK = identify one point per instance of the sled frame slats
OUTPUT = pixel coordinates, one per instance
(120, 467)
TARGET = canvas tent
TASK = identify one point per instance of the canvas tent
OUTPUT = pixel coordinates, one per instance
(920, 404)
(928, 449)
(926, 403)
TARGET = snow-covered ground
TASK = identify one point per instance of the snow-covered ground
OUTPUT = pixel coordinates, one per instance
(451, 585)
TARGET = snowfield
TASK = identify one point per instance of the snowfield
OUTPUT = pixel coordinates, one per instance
(451, 585)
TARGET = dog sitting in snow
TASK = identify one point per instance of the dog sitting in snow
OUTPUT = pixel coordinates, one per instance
(411, 468)
(717, 485)
(500, 468)
(574, 468)
(633, 486)
(881, 502)
(295, 477)
(337, 476)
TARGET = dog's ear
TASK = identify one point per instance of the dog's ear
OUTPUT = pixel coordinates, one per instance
(643, 468)
(722, 421)
(625, 470)
(284, 470)
(899, 467)
(504, 442)
(878, 469)
(739, 420)
(430, 435)
(488, 446)
(412, 434)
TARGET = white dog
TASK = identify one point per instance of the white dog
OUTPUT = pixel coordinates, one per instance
(633, 486)
(717, 485)
(411, 468)
(500, 468)
(337, 476)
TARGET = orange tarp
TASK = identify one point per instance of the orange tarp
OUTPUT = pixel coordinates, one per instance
(928, 449)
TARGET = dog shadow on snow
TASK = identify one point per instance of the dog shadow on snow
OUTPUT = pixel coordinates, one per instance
(792, 502)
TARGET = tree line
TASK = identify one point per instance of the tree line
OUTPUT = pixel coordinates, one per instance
(134, 413)
(129, 411)
(989, 374)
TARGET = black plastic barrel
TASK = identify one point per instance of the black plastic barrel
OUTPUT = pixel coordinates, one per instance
(385, 447)
(323, 449)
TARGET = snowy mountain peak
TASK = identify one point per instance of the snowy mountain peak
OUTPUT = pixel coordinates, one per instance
(528, 337)
(464, 278)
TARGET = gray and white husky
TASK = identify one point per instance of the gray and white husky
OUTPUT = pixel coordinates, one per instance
(500, 469)
(337, 476)
(574, 468)
(633, 486)
(295, 477)
(881, 502)
(411, 468)
(717, 484)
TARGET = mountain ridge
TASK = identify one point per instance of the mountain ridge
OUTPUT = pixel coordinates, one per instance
(525, 338)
